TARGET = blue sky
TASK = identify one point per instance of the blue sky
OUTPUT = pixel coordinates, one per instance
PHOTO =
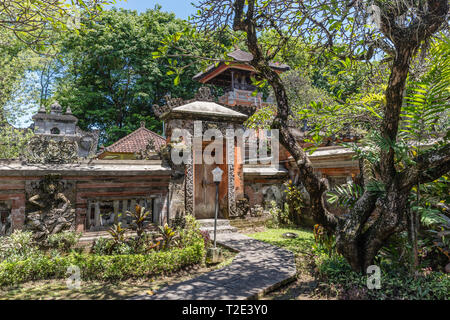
(182, 8)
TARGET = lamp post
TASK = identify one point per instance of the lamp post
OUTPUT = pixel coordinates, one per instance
(217, 178)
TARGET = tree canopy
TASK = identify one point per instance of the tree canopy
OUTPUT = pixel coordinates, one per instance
(385, 34)
(112, 80)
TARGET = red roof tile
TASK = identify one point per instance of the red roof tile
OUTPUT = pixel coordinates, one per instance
(137, 141)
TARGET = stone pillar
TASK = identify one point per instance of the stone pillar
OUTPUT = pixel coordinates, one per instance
(88, 215)
(124, 210)
(18, 213)
(116, 211)
(97, 217)
(156, 212)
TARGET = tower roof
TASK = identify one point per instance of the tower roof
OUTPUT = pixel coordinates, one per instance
(205, 110)
(241, 58)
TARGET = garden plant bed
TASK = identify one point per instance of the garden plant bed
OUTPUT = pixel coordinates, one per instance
(320, 276)
(107, 290)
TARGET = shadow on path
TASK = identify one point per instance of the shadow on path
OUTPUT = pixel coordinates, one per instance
(257, 269)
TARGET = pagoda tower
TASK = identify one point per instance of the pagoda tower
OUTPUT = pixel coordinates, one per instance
(235, 78)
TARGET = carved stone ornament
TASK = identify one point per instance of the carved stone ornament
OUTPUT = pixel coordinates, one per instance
(203, 94)
(88, 141)
(149, 153)
(49, 211)
(44, 150)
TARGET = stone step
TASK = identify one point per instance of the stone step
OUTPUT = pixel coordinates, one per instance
(219, 230)
(249, 223)
(205, 223)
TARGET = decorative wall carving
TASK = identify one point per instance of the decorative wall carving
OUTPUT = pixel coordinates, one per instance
(232, 211)
(204, 94)
(87, 142)
(149, 153)
(49, 210)
(43, 149)
(189, 184)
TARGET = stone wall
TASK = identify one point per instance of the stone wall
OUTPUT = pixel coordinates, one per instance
(83, 185)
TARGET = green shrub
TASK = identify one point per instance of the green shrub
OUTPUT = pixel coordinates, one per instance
(191, 231)
(279, 217)
(100, 267)
(63, 241)
(106, 246)
(17, 246)
(395, 283)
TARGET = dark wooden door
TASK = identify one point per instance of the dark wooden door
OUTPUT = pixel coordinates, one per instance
(205, 191)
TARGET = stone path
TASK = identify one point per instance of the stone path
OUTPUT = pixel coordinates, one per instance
(257, 268)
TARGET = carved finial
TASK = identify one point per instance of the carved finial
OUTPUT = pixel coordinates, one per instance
(204, 94)
(68, 111)
(142, 124)
(56, 108)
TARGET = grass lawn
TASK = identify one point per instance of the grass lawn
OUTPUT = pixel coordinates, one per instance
(299, 245)
(98, 290)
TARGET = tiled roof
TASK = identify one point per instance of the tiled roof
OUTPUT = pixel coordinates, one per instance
(137, 141)
(240, 56)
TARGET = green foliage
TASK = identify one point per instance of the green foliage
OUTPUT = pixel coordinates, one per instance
(425, 113)
(295, 201)
(324, 242)
(345, 195)
(139, 215)
(36, 22)
(279, 217)
(396, 284)
(168, 236)
(63, 241)
(105, 246)
(17, 246)
(13, 141)
(117, 233)
(101, 267)
(190, 231)
(110, 66)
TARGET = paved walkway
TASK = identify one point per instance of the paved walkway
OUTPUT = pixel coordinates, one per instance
(257, 268)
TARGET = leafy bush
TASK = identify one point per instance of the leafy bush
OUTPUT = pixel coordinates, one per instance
(279, 217)
(256, 211)
(168, 237)
(165, 239)
(323, 241)
(345, 195)
(191, 231)
(295, 200)
(395, 283)
(17, 246)
(139, 217)
(105, 246)
(63, 241)
(206, 238)
(100, 267)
